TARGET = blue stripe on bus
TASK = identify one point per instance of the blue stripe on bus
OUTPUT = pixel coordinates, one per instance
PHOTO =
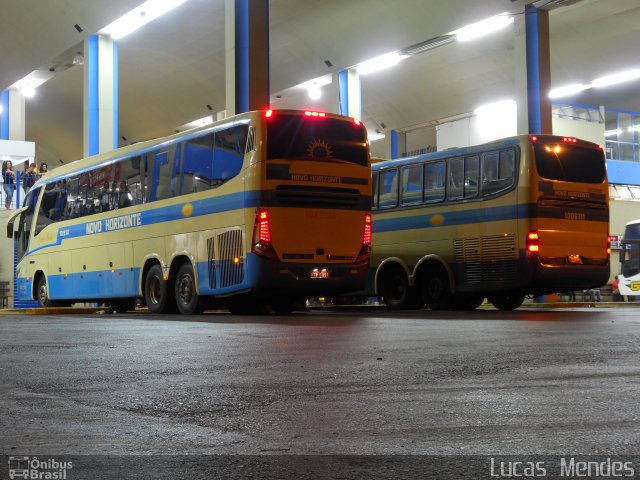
(448, 219)
(95, 285)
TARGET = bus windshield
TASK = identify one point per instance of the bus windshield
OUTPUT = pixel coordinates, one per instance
(299, 137)
(570, 163)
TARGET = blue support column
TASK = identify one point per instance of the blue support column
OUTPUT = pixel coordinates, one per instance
(4, 117)
(349, 92)
(343, 83)
(100, 95)
(394, 144)
(251, 55)
(538, 70)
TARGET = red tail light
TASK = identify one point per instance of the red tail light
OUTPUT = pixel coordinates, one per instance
(532, 244)
(268, 113)
(365, 250)
(569, 140)
(357, 122)
(609, 240)
(262, 236)
(309, 113)
(533, 139)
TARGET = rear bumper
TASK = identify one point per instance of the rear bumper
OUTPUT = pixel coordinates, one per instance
(268, 276)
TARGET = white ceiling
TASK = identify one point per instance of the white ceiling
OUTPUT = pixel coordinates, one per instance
(172, 68)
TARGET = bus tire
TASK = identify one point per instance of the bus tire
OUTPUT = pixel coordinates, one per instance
(395, 289)
(467, 301)
(434, 288)
(156, 292)
(187, 298)
(43, 294)
(507, 301)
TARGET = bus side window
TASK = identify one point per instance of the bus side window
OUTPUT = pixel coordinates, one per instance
(434, 175)
(161, 176)
(388, 188)
(228, 153)
(411, 185)
(197, 164)
(471, 174)
(455, 188)
(374, 187)
(497, 171)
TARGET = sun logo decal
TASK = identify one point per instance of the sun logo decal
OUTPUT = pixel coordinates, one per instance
(319, 149)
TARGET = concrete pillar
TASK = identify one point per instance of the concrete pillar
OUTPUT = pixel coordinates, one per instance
(12, 118)
(533, 71)
(100, 95)
(350, 93)
(247, 55)
(398, 143)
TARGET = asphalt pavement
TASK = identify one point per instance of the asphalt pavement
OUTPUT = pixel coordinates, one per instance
(321, 386)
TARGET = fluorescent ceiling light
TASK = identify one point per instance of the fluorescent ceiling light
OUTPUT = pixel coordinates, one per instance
(483, 27)
(616, 78)
(496, 107)
(201, 122)
(28, 92)
(380, 63)
(32, 81)
(314, 93)
(139, 16)
(634, 128)
(428, 45)
(317, 82)
(568, 90)
(611, 133)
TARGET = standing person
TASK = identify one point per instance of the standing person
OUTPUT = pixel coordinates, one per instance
(30, 177)
(43, 169)
(9, 179)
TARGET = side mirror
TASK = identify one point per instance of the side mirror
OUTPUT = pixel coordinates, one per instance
(12, 218)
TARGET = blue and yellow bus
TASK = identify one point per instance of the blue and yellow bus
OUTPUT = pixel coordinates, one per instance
(629, 278)
(527, 215)
(243, 214)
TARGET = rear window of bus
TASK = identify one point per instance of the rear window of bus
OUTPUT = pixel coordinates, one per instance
(569, 163)
(297, 137)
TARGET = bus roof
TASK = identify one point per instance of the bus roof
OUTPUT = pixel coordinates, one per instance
(88, 163)
(379, 164)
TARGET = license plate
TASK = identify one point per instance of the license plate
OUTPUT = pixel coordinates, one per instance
(317, 273)
(574, 259)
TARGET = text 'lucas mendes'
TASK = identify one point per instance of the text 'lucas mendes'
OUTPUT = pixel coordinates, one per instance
(569, 467)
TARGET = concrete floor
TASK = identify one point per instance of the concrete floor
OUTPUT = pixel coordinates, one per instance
(345, 383)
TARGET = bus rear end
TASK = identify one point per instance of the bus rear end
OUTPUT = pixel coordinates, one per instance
(312, 233)
(566, 243)
(629, 278)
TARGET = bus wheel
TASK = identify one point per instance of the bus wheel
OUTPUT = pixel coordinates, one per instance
(507, 301)
(467, 301)
(156, 291)
(395, 290)
(434, 288)
(43, 294)
(187, 299)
